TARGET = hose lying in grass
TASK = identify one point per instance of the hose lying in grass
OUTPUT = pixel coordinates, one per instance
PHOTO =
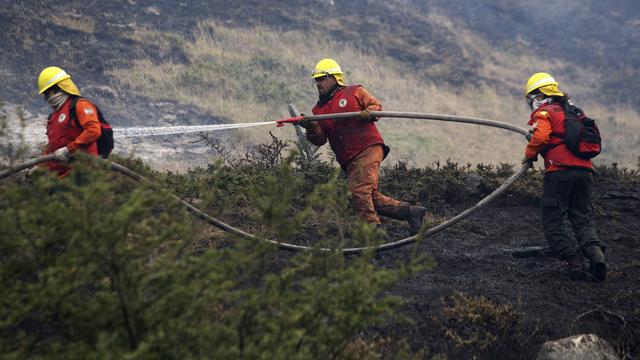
(354, 250)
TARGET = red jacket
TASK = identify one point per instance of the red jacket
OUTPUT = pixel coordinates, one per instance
(62, 132)
(548, 119)
(347, 137)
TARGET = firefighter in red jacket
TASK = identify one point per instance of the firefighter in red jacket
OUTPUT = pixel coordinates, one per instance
(65, 136)
(568, 180)
(357, 144)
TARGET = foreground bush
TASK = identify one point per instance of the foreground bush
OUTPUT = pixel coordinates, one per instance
(108, 269)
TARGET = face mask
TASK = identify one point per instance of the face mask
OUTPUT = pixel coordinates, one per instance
(56, 99)
(537, 102)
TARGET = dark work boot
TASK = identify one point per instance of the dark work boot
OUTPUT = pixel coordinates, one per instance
(598, 266)
(415, 217)
(575, 268)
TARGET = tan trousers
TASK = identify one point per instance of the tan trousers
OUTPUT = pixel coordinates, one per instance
(363, 172)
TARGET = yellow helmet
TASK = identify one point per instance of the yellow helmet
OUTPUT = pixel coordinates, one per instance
(329, 66)
(545, 83)
(54, 75)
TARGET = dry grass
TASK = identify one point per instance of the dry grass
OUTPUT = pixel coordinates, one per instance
(250, 74)
(74, 21)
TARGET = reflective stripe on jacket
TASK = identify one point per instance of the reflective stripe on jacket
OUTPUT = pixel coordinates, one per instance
(546, 120)
(347, 137)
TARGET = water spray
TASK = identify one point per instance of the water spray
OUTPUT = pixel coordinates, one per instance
(34, 136)
(120, 133)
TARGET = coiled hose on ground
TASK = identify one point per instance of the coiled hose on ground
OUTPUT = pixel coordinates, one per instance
(354, 250)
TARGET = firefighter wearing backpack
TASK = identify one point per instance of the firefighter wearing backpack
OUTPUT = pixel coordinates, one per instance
(568, 180)
(65, 136)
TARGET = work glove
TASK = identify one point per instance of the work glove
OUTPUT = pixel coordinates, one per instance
(528, 136)
(365, 116)
(306, 123)
(62, 154)
(530, 160)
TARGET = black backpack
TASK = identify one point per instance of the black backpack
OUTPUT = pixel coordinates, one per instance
(581, 134)
(105, 141)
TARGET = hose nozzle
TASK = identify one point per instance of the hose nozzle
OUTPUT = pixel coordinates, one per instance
(293, 120)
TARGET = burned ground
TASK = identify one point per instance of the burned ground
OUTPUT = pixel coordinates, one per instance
(486, 296)
(476, 258)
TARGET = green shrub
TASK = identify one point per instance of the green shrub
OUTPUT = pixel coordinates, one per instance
(106, 269)
(527, 189)
(429, 185)
(613, 173)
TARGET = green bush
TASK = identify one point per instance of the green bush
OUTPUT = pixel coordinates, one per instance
(429, 185)
(107, 269)
(613, 173)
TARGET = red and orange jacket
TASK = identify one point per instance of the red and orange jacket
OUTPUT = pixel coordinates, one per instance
(63, 132)
(347, 137)
(547, 140)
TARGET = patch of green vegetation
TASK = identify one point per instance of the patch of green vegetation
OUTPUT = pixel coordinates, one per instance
(429, 185)
(110, 268)
(614, 173)
(416, 142)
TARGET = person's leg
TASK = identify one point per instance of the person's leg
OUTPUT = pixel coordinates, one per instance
(554, 203)
(580, 212)
(364, 173)
(388, 206)
(363, 179)
(383, 205)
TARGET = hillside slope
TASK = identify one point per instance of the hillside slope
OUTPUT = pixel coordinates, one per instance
(150, 63)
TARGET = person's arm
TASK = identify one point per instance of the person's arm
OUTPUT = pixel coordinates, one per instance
(87, 115)
(366, 101)
(541, 135)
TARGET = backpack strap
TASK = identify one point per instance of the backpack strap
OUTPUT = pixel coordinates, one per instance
(73, 115)
(567, 108)
(72, 112)
(555, 134)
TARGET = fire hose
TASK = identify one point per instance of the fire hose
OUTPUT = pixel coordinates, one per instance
(353, 250)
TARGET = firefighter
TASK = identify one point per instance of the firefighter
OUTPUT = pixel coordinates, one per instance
(568, 180)
(65, 136)
(357, 144)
